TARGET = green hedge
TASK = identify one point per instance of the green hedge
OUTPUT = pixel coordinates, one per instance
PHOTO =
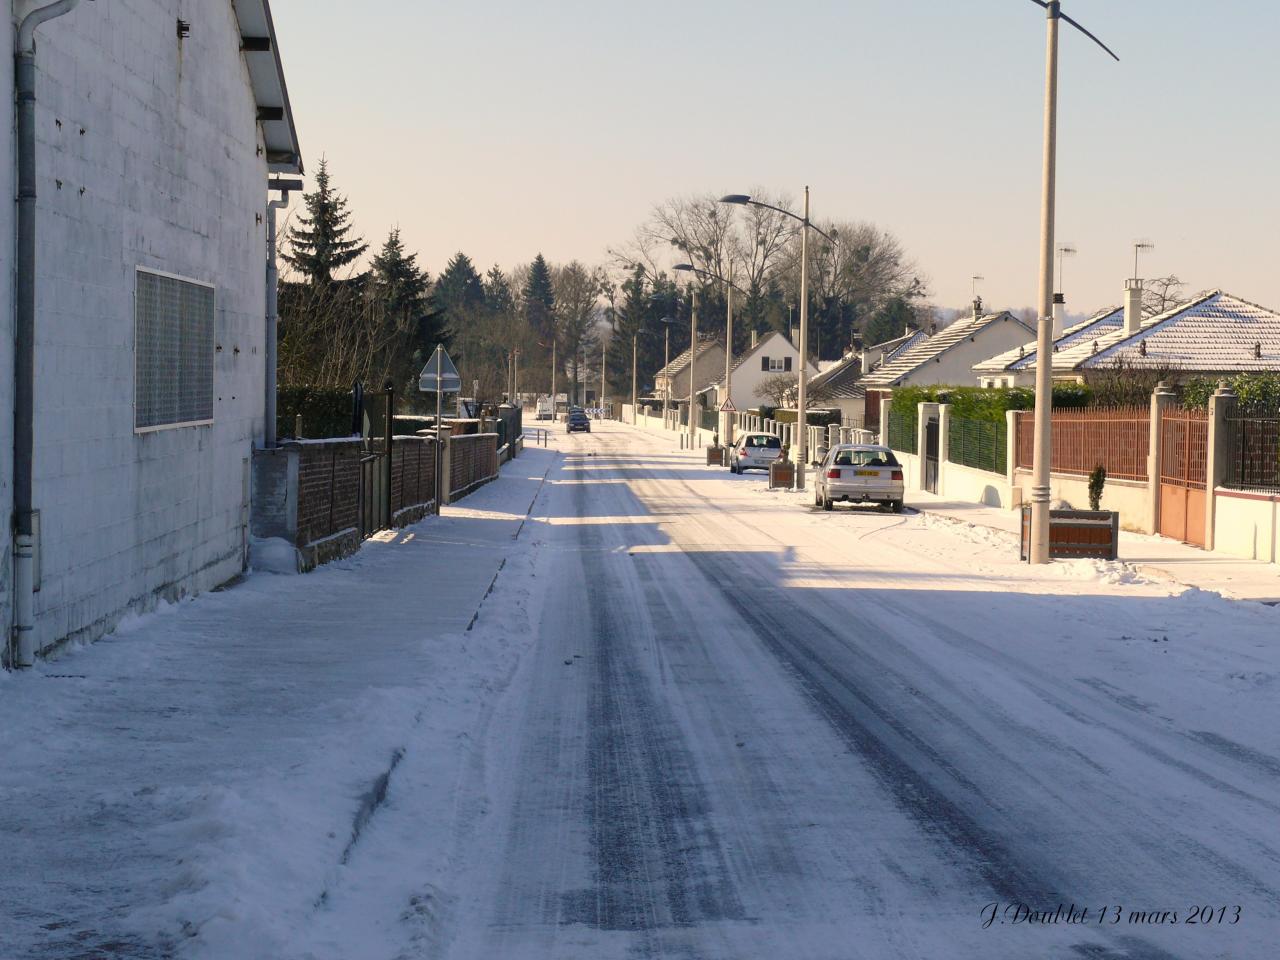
(985, 403)
(326, 411)
(1259, 391)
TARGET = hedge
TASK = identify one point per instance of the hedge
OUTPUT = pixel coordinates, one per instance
(986, 403)
(1256, 391)
(326, 411)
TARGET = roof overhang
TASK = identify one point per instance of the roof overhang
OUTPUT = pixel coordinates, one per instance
(266, 74)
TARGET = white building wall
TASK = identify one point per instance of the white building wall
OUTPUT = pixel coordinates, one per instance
(156, 144)
(955, 367)
(9, 184)
(748, 378)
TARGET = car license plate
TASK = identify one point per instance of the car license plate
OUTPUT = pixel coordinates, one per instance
(866, 473)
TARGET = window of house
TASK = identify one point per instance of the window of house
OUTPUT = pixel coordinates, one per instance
(173, 351)
(775, 364)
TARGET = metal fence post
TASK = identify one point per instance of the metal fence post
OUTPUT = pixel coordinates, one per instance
(390, 390)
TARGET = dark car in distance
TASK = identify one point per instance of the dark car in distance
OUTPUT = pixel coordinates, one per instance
(577, 422)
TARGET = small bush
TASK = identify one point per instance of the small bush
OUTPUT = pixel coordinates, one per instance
(1097, 479)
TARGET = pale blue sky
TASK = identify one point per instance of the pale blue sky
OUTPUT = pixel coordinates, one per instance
(507, 128)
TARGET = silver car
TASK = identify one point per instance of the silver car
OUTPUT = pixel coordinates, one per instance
(754, 451)
(859, 473)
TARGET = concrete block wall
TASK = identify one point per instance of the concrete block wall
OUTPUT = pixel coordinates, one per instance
(156, 143)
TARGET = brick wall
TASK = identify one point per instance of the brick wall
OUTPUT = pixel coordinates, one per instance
(328, 488)
(473, 460)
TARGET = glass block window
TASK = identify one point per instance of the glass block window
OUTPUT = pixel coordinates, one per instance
(173, 351)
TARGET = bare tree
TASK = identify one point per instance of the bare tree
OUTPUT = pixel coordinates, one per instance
(1161, 294)
(578, 290)
(778, 388)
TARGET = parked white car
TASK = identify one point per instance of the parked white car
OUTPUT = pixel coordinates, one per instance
(859, 473)
(754, 451)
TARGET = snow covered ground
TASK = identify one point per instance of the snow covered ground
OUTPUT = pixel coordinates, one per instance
(694, 718)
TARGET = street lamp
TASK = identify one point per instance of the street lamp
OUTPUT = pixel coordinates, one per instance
(1043, 455)
(730, 286)
(802, 413)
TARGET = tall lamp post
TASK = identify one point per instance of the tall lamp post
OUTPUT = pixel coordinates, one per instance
(1043, 451)
(802, 413)
(730, 286)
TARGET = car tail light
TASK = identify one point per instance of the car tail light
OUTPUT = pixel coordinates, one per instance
(897, 474)
(833, 474)
(742, 452)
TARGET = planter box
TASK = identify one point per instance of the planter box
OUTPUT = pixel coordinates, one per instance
(1076, 533)
(715, 456)
(782, 473)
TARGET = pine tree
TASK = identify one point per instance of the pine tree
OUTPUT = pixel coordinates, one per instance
(540, 300)
(459, 288)
(322, 243)
(398, 282)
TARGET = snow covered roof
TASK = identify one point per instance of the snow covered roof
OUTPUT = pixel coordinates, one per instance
(1024, 357)
(266, 74)
(681, 360)
(1212, 332)
(907, 361)
(840, 381)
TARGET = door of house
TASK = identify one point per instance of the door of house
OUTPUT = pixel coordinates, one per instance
(1184, 449)
(931, 455)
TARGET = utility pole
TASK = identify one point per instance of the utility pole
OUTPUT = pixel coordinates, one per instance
(693, 361)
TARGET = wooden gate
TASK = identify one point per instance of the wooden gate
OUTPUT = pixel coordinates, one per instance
(1184, 450)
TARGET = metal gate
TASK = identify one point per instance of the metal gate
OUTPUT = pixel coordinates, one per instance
(931, 455)
(370, 494)
(1184, 449)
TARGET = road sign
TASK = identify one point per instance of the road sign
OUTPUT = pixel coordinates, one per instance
(727, 406)
(439, 375)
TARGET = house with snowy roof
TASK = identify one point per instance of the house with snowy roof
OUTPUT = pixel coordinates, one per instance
(672, 381)
(945, 358)
(1212, 334)
(1016, 367)
(144, 136)
(840, 386)
(768, 356)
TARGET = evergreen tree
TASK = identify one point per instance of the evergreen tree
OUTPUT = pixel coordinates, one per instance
(498, 296)
(540, 300)
(398, 282)
(459, 289)
(322, 242)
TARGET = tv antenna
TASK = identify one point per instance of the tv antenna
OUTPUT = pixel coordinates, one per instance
(1064, 250)
(1138, 247)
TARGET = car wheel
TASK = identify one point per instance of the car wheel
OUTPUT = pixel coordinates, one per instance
(896, 506)
(827, 503)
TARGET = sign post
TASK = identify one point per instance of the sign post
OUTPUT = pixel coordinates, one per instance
(439, 376)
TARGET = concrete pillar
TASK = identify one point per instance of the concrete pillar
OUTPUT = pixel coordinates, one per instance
(445, 473)
(1161, 398)
(1011, 457)
(886, 405)
(1222, 405)
(944, 444)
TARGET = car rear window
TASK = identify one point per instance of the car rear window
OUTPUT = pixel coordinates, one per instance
(865, 458)
(764, 440)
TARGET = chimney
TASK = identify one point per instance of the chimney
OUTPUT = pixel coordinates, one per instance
(755, 338)
(977, 307)
(1132, 306)
(907, 332)
(1059, 314)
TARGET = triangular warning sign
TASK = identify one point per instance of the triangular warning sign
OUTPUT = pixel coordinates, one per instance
(439, 375)
(727, 406)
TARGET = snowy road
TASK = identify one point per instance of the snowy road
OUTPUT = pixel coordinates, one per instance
(752, 730)
(693, 718)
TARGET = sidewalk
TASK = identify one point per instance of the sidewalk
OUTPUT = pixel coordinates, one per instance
(1188, 565)
(197, 770)
(1160, 556)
